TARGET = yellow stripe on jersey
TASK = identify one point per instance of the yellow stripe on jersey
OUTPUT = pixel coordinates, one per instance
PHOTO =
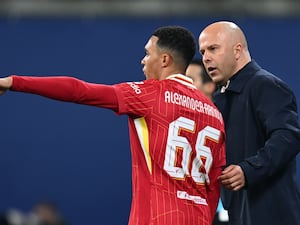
(142, 131)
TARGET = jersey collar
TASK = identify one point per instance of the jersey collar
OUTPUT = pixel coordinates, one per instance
(182, 79)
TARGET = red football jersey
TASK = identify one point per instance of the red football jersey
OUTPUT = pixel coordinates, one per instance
(177, 145)
(177, 142)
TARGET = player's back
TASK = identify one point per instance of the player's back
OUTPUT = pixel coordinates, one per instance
(177, 140)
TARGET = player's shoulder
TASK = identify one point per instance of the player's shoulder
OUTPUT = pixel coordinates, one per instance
(137, 83)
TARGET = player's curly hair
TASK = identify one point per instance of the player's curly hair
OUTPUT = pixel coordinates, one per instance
(179, 41)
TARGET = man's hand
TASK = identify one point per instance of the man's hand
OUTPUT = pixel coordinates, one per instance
(232, 177)
(5, 84)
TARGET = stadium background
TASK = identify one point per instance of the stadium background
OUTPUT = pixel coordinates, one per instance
(78, 156)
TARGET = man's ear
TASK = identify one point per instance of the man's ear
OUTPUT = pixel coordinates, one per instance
(166, 59)
(238, 50)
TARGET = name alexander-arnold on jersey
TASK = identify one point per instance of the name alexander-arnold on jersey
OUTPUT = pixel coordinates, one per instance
(193, 104)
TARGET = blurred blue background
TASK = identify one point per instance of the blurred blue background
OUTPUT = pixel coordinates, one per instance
(78, 156)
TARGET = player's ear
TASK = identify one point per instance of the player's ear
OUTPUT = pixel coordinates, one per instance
(165, 60)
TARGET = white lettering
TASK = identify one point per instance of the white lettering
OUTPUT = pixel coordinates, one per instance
(193, 104)
(196, 199)
(135, 87)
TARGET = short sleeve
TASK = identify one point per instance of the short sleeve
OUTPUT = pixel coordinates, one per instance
(136, 98)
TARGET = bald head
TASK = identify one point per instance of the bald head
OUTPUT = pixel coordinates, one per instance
(229, 31)
(224, 49)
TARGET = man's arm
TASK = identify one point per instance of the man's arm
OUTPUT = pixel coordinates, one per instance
(276, 110)
(279, 120)
(63, 88)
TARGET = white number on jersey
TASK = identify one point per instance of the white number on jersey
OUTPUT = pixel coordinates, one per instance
(199, 172)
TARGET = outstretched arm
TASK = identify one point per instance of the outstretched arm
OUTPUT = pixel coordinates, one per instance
(63, 88)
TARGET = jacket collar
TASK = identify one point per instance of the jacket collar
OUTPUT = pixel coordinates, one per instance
(239, 80)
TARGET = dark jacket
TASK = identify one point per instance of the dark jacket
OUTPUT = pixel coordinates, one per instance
(263, 137)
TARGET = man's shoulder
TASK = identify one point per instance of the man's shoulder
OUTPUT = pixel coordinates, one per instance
(263, 77)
